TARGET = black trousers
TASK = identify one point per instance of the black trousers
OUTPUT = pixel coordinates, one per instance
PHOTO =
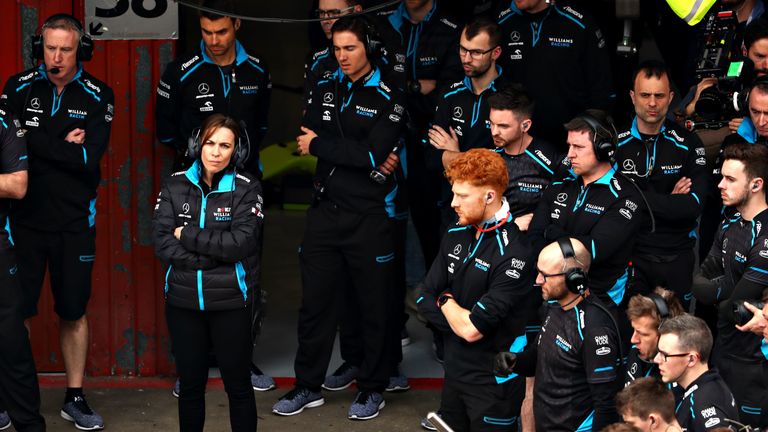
(423, 195)
(350, 339)
(227, 334)
(342, 247)
(674, 273)
(748, 381)
(19, 391)
(482, 407)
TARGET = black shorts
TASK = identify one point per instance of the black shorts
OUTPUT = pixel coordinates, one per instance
(480, 408)
(69, 257)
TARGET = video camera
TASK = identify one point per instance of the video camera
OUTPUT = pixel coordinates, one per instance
(718, 58)
(742, 315)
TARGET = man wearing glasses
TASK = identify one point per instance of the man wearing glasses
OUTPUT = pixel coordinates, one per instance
(461, 119)
(322, 62)
(577, 358)
(668, 163)
(683, 355)
(557, 52)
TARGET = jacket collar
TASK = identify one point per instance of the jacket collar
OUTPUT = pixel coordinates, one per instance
(240, 54)
(226, 182)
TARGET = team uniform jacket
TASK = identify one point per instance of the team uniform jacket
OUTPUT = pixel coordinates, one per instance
(491, 276)
(560, 56)
(706, 403)
(604, 215)
(63, 176)
(369, 113)
(13, 158)
(193, 87)
(576, 363)
(467, 113)
(215, 265)
(427, 50)
(656, 164)
(741, 252)
(529, 174)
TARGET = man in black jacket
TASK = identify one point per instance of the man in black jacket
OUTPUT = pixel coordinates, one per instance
(352, 125)
(19, 392)
(67, 114)
(735, 271)
(577, 357)
(683, 356)
(219, 77)
(669, 165)
(557, 52)
(593, 204)
(477, 294)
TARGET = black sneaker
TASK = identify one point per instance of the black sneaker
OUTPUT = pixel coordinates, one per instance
(366, 406)
(296, 400)
(341, 378)
(78, 412)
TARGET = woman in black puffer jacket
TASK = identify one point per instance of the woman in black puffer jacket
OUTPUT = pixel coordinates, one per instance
(207, 229)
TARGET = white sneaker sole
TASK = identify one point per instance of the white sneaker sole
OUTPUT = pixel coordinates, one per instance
(263, 389)
(338, 388)
(6, 426)
(68, 417)
(374, 415)
(313, 404)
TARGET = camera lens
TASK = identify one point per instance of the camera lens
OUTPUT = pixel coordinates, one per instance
(710, 105)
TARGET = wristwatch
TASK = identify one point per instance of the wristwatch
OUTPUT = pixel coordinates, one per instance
(443, 298)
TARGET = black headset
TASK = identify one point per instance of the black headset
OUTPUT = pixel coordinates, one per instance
(575, 278)
(604, 140)
(84, 45)
(661, 306)
(239, 156)
(373, 44)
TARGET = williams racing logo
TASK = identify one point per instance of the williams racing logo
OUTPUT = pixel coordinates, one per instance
(222, 214)
(365, 111)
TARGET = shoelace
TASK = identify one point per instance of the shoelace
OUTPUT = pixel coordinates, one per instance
(82, 405)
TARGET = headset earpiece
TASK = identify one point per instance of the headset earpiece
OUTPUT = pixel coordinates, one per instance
(661, 306)
(488, 197)
(239, 155)
(575, 278)
(604, 141)
(84, 45)
(193, 144)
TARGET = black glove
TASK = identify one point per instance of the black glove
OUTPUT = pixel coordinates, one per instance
(503, 363)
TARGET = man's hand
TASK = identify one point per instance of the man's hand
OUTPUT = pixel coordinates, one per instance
(304, 140)
(390, 165)
(734, 124)
(756, 324)
(703, 84)
(523, 221)
(76, 136)
(177, 231)
(442, 140)
(683, 186)
(427, 86)
(503, 363)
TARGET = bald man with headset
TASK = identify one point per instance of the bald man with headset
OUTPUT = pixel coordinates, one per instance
(577, 357)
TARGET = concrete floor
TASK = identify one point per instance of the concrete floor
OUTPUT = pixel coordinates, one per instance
(144, 410)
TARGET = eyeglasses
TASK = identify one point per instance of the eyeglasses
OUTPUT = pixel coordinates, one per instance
(545, 276)
(330, 13)
(474, 54)
(666, 356)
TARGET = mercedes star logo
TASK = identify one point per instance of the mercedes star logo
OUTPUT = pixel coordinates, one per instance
(35, 103)
(457, 249)
(562, 197)
(328, 97)
(628, 165)
(203, 88)
(458, 112)
(514, 36)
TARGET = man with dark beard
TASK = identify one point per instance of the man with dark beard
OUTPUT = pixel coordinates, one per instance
(461, 120)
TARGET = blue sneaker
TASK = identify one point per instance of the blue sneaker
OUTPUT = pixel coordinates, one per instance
(296, 400)
(342, 378)
(261, 382)
(176, 391)
(398, 383)
(81, 415)
(366, 406)
(5, 420)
